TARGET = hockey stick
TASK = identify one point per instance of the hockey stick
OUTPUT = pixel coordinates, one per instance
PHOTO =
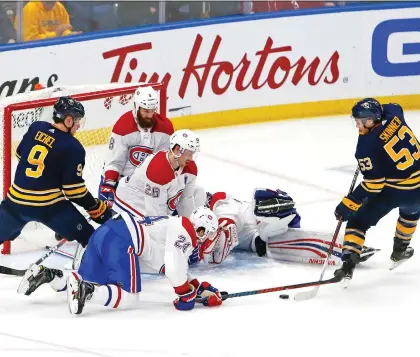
(226, 295)
(306, 295)
(21, 272)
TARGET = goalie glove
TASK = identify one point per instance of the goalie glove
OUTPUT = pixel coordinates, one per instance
(100, 212)
(273, 206)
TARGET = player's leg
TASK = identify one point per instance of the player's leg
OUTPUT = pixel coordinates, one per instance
(11, 223)
(119, 279)
(298, 245)
(354, 237)
(38, 275)
(406, 226)
(64, 219)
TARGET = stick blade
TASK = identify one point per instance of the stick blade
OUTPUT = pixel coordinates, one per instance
(306, 295)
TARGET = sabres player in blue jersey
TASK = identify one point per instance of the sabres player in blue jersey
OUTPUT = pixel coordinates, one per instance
(48, 180)
(388, 156)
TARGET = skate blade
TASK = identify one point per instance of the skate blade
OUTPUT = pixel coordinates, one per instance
(345, 283)
(395, 265)
(72, 289)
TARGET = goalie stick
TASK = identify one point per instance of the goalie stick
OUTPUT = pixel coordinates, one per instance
(306, 295)
(226, 295)
(21, 272)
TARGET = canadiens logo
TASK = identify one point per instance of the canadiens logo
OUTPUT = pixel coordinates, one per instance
(173, 201)
(137, 154)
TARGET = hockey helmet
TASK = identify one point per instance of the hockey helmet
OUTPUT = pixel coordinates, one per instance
(205, 223)
(186, 140)
(67, 106)
(146, 98)
(367, 108)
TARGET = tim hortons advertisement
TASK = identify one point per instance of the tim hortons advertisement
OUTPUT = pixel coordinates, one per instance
(232, 65)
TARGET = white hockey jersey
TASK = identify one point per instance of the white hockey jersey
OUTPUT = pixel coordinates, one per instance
(130, 145)
(283, 243)
(155, 189)
(238, 216)
(163, 245)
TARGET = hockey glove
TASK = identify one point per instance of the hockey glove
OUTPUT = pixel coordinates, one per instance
(106, 193)
(210, 294)
(100, 212)
(347, 207)
(186, 301)
(195, 256)
(273, 206)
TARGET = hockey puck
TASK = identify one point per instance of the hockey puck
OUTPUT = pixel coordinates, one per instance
(283, 296)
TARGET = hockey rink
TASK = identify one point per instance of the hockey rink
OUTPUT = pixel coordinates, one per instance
(313, 160)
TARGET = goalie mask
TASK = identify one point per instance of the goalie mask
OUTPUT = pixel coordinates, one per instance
(205, 223)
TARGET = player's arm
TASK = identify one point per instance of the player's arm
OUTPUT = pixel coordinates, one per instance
(191, 198)
(373, 182)
(117, 159)
(180, 243)
(74, 187)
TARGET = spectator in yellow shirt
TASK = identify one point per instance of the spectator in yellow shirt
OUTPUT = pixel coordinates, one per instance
(45, 19)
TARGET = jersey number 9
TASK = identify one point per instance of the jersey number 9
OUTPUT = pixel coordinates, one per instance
(36, 158)
(404, 153)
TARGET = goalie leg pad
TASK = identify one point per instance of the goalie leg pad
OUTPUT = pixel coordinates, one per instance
(304, 246)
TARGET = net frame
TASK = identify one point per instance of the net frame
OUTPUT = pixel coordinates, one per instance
(37, 103)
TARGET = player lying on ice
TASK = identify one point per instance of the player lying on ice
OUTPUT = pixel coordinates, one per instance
(124, 247)
(269, 226)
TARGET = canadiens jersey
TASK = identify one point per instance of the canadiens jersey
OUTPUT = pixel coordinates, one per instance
(225, 207)
(130, 145)
(50, 167)
(388, 156)
(163, 244)
(156, 189)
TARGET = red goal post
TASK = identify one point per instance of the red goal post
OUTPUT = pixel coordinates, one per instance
(100, 116)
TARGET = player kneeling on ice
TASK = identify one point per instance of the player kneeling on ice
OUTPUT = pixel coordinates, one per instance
(269, 226)
(123, 247)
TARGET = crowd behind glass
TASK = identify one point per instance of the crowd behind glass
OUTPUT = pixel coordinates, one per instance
(22, 21)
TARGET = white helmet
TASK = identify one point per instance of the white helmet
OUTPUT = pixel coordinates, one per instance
(146, 98)
(203, 217)
(186, 139)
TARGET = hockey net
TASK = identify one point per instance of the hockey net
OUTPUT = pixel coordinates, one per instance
(104, 104)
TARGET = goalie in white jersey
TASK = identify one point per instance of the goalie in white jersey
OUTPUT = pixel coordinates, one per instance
(165, 182)
(269, 226)
(126, 246)
(136, 135)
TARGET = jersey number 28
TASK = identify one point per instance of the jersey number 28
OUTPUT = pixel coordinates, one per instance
(404, 153)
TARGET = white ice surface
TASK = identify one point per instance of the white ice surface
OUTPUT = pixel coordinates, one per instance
(313, 161)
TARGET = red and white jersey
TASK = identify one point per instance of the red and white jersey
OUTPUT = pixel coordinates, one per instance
(130, 145)
(163, 245)
(229, 209)
(155, 189)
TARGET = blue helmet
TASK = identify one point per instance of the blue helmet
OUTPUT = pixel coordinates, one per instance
(368, 108)
(67, 106)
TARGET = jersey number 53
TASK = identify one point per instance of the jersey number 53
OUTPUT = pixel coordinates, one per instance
(404, 157)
